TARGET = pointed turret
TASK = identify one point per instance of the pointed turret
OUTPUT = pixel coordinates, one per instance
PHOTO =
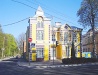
(39, 11)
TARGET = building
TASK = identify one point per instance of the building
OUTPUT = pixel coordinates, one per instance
(39, 31)
(65, 35)
(87, 46)
(24, 49)
(45, 36)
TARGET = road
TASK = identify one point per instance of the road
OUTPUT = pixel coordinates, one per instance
(10, 67)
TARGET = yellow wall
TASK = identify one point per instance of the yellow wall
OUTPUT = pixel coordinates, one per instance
(46, 53)
(34, 33)
(33, 56)
(46, 32)
(59, 51)
(78, 42)
(46, 39)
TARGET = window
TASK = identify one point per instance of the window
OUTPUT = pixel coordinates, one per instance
(40, 24)
(75, 37)
(65, 37)
(40, 35)
(69, 36)
(53, 37)
(39, 52)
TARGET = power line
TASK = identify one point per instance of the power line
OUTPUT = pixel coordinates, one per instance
(39, 10)
(16, 22)
(29, 17)
(53, 10)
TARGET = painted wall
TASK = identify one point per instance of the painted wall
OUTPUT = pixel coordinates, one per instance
(59, 52)
(86, 54)
(46, 53)
(34, 33)
(46, 41)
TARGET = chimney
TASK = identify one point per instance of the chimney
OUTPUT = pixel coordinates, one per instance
(58, 24)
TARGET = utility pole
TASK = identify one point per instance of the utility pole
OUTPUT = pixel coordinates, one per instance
(53, 37)
(53, 42)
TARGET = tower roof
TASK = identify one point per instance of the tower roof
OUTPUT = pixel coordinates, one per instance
(39, 9)
(40, 12)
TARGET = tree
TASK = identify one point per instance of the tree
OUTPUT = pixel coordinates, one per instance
(20, 40)
(88, 17)
(10, 45)
(8, 42)
(72, 51)
(1, 40)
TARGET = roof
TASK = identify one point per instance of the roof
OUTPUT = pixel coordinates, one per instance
(75, 28)
(96, 29)
(40, 12)
(39, 9)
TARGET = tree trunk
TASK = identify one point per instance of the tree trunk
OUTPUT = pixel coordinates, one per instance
(93, 37)
(72, 51)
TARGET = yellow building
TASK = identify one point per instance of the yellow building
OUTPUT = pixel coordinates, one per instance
(65, 35)
(44, 37)
(39, 31)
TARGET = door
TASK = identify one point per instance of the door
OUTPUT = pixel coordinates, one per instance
(40, 54)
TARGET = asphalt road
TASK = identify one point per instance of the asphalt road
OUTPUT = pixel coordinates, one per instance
(10, 67)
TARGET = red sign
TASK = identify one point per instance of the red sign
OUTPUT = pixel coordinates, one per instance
(30, 39)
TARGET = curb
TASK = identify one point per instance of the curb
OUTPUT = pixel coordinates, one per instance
(54, 66)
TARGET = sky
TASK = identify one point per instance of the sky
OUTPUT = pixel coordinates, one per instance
(13, 13)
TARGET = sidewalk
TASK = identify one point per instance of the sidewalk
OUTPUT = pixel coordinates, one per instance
(48, 64)
(6, 58)
(22, 62)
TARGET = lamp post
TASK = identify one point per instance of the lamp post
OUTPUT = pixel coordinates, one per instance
(53, 39)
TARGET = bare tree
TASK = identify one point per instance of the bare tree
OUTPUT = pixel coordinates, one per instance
(20, 40)
(88, 17)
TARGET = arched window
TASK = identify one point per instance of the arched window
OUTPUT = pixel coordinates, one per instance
(38, 24)
(41, 25)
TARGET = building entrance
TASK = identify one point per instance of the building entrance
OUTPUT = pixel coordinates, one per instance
(39, 54)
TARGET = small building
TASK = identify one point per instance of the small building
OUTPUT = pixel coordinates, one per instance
(65, 35)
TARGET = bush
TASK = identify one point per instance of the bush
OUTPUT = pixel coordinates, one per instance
(78, 60)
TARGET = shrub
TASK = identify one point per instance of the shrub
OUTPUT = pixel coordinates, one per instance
(78, 60)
